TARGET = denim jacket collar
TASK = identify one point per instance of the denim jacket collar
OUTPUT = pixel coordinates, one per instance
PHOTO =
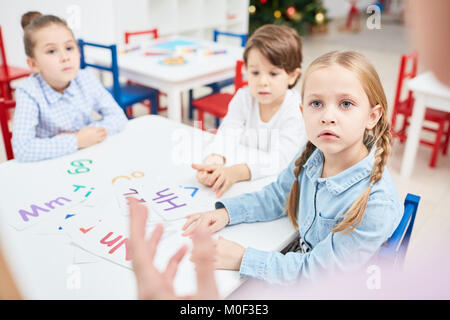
(345, 179)
(51, 94)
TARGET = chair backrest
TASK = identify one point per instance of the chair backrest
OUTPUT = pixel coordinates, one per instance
(129, 34)
(114, 68)
(403, 74)
(4, 106)
(239, 81)
(242, 36)
(3, 62)
(394, 250)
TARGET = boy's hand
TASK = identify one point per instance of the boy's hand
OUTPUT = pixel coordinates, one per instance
(218, 177)
(221, 178)
(204, 171)
(214, 159)
(89, 136)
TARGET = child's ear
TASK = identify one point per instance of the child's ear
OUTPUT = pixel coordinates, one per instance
(294, 75)
(32, 65)
(374, 115)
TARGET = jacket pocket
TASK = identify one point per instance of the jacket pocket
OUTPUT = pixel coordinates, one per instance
(323, 227)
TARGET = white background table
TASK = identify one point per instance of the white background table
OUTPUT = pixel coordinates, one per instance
(199, 70)
(43, 264)
(428, 93)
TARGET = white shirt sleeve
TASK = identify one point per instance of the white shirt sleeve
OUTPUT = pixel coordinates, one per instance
(232, 126)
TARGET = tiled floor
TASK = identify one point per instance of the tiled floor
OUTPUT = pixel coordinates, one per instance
(384, 47)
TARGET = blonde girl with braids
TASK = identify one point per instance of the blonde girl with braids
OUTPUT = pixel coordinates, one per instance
(336, 192)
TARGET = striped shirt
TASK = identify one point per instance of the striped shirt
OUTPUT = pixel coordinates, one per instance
(42, 114)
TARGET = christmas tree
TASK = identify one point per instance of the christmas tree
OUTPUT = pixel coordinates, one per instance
(302, 15)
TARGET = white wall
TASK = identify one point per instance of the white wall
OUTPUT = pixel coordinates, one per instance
(96, 21)
(340, 8)
(106, 20)
(129, 16)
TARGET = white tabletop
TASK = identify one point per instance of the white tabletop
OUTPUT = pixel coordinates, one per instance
(200, 69)
(426, 83)
(43, 264)
(428, 93)
(197, 64)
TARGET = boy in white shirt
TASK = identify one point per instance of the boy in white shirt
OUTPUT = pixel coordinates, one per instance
(264, 117)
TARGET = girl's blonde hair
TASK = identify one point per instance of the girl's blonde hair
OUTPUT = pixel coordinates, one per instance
(379, 136)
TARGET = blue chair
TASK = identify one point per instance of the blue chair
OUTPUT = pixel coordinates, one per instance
(125, 94)
(217, 86)
(394, 250)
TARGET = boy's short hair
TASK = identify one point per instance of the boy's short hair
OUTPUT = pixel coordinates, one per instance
(281, 45)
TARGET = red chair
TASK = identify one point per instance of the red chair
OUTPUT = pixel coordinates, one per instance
(129, 34)
(155, 35)
(4, 106)
(8, 73)
(217, 86)
(217, 103)
(405, 108)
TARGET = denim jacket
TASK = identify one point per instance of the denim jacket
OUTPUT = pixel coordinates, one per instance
(321, 203)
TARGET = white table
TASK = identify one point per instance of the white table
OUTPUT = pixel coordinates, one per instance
(199, 70)
(428, 93)
(43, 264)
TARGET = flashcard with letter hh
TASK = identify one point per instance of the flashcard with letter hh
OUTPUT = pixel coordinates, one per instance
(173, 201)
